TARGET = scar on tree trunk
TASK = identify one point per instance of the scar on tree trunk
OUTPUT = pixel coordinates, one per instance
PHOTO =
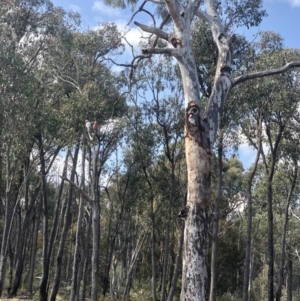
(195, 127)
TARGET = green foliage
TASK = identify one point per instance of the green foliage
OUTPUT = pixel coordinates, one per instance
(228, 297)
(259, 290)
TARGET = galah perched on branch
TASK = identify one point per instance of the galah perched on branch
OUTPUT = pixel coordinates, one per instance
(90, 128)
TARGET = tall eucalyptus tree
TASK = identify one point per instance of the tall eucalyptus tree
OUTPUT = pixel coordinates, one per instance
(201, 125)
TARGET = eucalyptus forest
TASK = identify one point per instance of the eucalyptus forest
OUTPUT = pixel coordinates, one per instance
(121, 179)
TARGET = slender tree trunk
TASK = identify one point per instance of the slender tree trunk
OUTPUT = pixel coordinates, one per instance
(177, 266)
(7, 220)
(112, 239)
(44, 205)
(289, 282)
(109, 256)
(84, 267)
(270, 241)
(270, 173)
(23, 233)
(78, 254)
(47, 247)
(132, 262)
(34, 250)
(153, 261)
(19, 259)
(152, 215)
(167, 239)
(214, 252)
(249, 215)
(284, 230)
(95, 225)
(66, 224)
(69, 257)
(11, 264)
(58, 210)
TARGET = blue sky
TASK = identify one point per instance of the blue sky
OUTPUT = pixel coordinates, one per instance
(283, 17)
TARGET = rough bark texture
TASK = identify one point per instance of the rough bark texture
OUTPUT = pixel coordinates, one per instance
(194, 272)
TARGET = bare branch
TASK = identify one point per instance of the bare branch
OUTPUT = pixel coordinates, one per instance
(254, 75)
(157, 1)
(160, 33)
(169, 51)
(204, 16)
(84, 194)
(161, 27)
(70, 81)
(140, 9)
(295, 215)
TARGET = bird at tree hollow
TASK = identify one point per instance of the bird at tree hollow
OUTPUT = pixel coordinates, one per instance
(95, 127)
(184, 213)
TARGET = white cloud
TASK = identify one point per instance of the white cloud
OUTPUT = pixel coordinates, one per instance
(132, 34)
(294, 3)
(75, 8)
(108, 11)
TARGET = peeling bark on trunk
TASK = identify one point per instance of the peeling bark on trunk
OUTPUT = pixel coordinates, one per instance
(199, 137)
(194, 272)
